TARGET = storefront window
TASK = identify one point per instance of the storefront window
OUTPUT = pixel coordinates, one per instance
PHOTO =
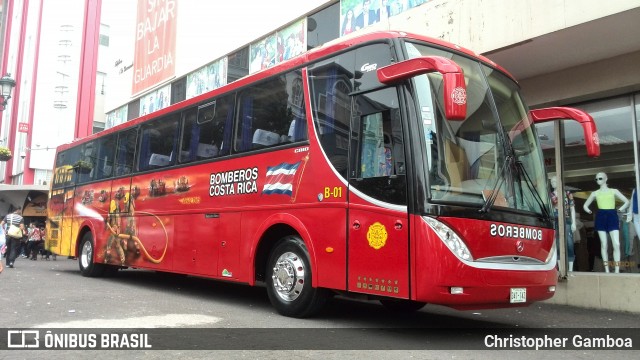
(603, 238)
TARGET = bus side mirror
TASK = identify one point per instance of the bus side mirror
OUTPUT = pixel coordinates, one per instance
(563, 113)
(455, 90)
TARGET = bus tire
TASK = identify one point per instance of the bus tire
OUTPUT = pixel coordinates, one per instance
(402, 305)
(87, 266)
(288, 280)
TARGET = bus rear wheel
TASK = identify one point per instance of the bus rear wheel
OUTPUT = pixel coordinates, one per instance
(87, 266)
(288, 279)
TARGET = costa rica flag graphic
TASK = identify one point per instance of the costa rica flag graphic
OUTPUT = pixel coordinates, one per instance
(279, 179)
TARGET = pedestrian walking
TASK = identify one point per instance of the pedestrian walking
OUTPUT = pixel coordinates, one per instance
(35, 239)
(14, 234)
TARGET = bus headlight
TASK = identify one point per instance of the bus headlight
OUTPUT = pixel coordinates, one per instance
(450, 238)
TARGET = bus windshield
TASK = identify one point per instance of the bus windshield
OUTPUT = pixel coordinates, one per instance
(491, 159)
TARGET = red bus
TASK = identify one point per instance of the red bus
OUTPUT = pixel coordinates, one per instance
(389, 165)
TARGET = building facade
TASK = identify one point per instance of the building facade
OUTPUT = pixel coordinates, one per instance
(579, 53)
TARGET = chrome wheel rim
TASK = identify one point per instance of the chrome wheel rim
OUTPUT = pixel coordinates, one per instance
(288, 276)
(86, 255)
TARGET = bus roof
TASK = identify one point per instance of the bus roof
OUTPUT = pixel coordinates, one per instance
(314, 54)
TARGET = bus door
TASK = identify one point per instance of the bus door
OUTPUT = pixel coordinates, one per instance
(65, 197)
(61, 204)
(378, 224)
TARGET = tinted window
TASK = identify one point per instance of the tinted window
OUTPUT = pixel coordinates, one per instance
(238, 64)
(331, 84)
(133, 109)
(179, 90)
(96, 159)
(85, 168)
(64, 173)
(378, 161)
(271, 113)
(323, 26)
(158, 141)
(207, 130)
(126, 151)
(105, 157)
(367, 60)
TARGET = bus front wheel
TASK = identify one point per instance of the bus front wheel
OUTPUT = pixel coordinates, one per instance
(288, 279)
(88, 267)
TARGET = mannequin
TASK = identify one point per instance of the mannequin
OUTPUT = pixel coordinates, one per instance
(606, 221)
(570, 219)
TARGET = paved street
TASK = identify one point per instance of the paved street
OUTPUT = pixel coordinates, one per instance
(52, 295)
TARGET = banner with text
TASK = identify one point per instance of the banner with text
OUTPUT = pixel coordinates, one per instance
(155, 50)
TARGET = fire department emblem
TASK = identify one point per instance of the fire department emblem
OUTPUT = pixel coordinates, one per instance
(377, 235)
(459, 96)
(519, 246)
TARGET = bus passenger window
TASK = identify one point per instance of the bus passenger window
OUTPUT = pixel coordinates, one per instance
(205, 130)
(331, 84)
(86, 170)
(126, 152)
(271, 113)
(105, 157)
(190, 135)
(157, 143)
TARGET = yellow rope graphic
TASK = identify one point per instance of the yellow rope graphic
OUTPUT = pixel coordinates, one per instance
(139, 242)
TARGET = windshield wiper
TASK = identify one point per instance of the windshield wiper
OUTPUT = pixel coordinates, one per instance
(532, 188)
(508, 162)
(521, 173)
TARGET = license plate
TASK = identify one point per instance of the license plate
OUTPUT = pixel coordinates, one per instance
(518, 295)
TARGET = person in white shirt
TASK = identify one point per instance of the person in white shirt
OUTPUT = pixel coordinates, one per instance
(13, 243)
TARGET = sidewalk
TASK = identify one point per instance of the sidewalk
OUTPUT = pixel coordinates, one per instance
(596, 290)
